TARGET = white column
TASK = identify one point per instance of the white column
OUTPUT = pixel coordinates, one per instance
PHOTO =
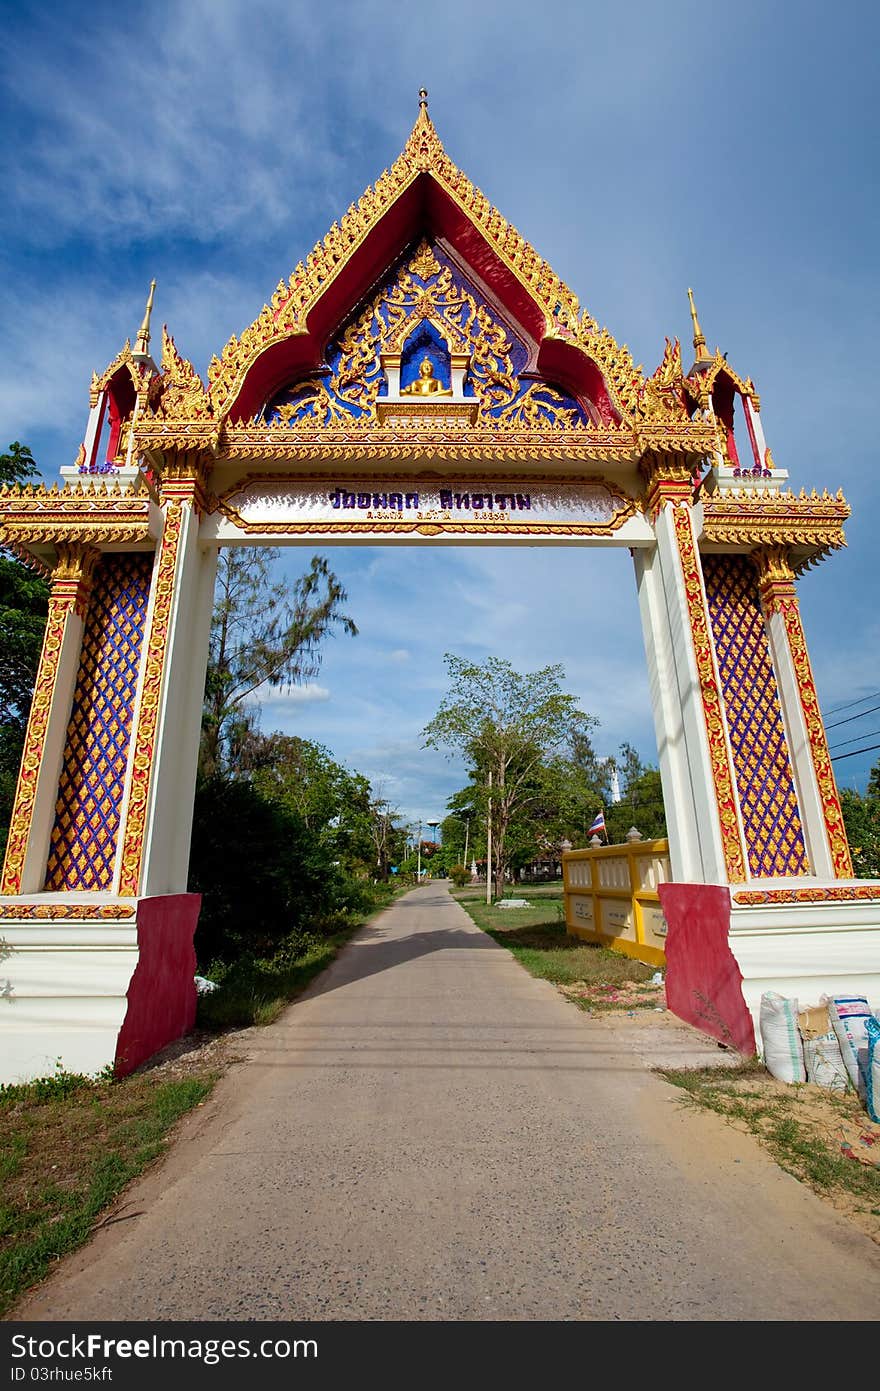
(755, 416)
(93, 429)
(175, 757)
(686, 859)
(701, 851)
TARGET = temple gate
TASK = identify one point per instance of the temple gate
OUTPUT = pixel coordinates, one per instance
(423, 378)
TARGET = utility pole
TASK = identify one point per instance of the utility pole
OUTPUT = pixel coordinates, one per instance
(467, 827)
(489, 846)
(419, 874)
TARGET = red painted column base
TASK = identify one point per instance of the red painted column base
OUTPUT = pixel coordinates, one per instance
(703, 980)
(162, 993)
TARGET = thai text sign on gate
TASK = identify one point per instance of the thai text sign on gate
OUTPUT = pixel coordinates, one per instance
(417, 505)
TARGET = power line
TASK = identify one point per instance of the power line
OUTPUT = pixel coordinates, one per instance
(849, 719)
(835, 709)
(867, 735)
(855, 753)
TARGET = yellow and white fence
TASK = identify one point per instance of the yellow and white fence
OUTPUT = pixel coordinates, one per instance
(611, 897)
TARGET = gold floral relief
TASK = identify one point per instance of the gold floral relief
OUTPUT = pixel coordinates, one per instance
(427, 290)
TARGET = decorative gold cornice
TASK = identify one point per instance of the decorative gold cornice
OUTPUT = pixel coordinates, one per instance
(102, 514)
(73, 574)
(761, 517)
(419, 438)
(184, 478)
(62, 912)
(668, 481)
(775, 577)
(857, 893)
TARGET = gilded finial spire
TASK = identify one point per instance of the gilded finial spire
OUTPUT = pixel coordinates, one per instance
(700, 351)
(423, 146)
(142, 342)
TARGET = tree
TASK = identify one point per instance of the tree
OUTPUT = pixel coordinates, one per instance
(383, 820)
(302, 776)
(641, 803)
(506, 724)
(24, 601)
(266, 881)
(861, 817)
(263, 634)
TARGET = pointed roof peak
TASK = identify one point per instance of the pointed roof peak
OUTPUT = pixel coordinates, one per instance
(142, 342)
(701, 353)
(424, 146)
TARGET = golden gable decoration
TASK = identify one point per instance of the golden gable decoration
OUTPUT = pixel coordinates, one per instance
(287, 313)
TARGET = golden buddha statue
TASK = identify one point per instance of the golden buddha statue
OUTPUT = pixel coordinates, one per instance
(426, 384)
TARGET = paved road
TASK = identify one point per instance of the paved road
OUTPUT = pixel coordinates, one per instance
(432, 1134)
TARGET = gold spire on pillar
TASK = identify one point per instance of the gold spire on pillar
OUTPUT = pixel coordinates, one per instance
(700, 352)
(142, 342)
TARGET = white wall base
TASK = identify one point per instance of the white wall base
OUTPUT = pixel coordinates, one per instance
(804, 950)
(63, 994)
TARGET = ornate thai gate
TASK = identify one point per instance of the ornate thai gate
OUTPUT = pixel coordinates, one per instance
(423, 378)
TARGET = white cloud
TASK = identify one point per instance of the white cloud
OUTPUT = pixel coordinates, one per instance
(278, 700)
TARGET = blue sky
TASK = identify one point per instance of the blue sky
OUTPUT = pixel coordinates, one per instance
(211, 143)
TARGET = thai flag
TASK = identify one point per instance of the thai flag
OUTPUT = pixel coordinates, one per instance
(598, 826)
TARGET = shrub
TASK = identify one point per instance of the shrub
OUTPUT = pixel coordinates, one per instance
(262, 875)
(459, 875)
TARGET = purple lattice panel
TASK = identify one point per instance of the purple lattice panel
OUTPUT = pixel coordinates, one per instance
(762, 766)
(82, 847)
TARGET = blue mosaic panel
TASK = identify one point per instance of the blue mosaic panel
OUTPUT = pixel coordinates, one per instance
(82, 846)
(762, 765)
(425, 306)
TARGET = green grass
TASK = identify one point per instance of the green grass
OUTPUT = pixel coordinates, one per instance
(255, 992)
(824, 1139)
(537, 938)
(69, 1150)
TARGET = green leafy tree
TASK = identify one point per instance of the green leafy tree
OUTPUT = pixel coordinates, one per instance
(861, 817)
(263, 634)
(24, 599)
(507, 724)
(454, 835)
(573, 788)
(331, 801)
(266, 880)
(385, 833)
(641, 803)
